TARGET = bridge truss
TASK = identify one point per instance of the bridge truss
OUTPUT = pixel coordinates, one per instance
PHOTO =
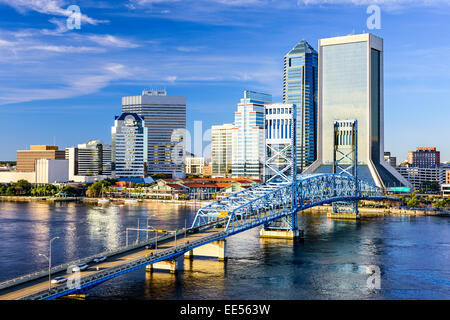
(274, 200)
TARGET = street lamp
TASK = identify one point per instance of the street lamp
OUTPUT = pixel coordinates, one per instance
(49, 258)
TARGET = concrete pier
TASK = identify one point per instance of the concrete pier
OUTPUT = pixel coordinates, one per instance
(344, 215)
(170, 265)
(216, 249)
(279, 234)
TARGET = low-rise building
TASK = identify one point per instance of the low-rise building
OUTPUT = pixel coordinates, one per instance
(445, 190)
(46, 171)
(52, 171)
(195, 165)
(196, 188)
(207, 171)
(416, 176)
(26, 158)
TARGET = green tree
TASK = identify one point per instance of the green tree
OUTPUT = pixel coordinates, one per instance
(413, 202)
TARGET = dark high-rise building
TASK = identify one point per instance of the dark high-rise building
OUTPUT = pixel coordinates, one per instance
(300, 88)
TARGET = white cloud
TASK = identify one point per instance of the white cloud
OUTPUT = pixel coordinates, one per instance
(69, 86)
(111, 41)
(65, 49)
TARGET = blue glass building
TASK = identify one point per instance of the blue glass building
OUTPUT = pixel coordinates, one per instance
(300, 88)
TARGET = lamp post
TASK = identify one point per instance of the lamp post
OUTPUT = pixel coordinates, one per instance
(49, 258)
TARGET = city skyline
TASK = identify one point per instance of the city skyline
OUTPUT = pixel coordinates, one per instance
(92, 94)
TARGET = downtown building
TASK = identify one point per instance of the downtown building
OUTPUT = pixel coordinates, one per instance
(129, 146)
(351, 90)
(89, 161)
(300, 88)
(424, 157)
(40, 164)
(221, 150)
(195, 165)
(423, 166)
(165, 120)
(248, 148)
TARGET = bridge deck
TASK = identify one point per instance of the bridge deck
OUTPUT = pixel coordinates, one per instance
(41, 285)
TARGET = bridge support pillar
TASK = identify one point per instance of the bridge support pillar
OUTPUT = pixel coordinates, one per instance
(279, 234)
(170, 265)
(216, 249)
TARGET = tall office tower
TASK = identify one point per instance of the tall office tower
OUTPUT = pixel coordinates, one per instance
(425, 158)
(351, 88)
(248, 136)
(89, 159)
(221, 149)
(26, 158)
(300, 88)
(129, 146)
(165, 119)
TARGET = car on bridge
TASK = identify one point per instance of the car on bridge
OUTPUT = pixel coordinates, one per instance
(81, 267)
(59, 280)
(99, 259)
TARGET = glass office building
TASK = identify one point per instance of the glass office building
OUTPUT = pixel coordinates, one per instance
(300, 88)
(351, 87)
(129, 146)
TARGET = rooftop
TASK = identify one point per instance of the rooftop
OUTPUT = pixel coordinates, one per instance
(302, 47)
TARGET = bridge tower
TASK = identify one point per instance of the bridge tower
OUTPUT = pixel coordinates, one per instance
(281, 163)
(345, 161)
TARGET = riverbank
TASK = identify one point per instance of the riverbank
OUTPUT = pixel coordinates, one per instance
(377, 212)
(200, 203)
(29, 198)
(364, 211)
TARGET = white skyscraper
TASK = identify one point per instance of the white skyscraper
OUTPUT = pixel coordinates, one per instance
(165, 120)
(221, 149)
(248, 136)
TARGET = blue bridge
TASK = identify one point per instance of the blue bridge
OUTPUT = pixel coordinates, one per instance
(273, 205)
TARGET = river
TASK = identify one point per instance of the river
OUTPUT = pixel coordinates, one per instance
(411, 254)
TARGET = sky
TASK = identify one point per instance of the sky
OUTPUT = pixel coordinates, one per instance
(64, 86)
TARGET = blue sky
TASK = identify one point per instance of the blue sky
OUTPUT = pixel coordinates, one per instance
(66, 85)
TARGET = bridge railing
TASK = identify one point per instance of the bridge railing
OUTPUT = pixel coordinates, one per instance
(104, 275)
(65, 266)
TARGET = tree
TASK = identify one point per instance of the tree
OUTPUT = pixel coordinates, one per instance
(70, 191)
(413, 202)
(95, 189)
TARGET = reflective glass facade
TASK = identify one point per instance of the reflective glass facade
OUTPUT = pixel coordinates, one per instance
(300, 88)
(344, 94)
(351, 88)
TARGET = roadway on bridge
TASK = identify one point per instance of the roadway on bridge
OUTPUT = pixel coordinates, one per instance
(41, 284)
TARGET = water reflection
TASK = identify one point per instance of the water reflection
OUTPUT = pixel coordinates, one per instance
(413, 254)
